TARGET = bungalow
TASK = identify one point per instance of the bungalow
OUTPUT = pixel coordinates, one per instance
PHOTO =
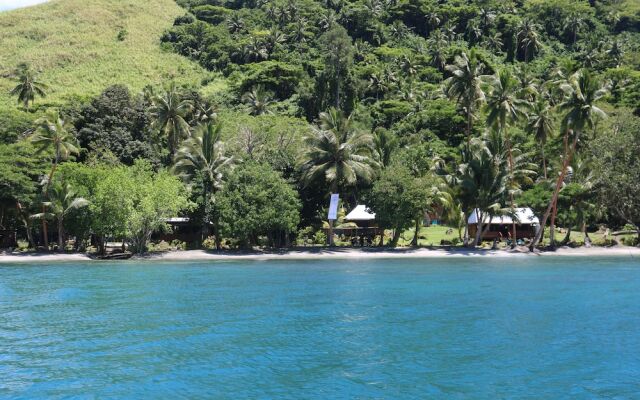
(501, 226)
(182, 229)
(360, 223)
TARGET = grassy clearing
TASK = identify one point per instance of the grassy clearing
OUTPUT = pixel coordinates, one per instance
(75, 45)
(433, 235)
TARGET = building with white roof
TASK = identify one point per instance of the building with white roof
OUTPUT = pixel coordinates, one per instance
(502, 225)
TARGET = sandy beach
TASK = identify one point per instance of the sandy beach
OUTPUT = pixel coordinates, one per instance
(335, 253)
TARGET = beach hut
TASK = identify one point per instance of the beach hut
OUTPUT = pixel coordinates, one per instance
(501, 226)
(359, 225)
(361, 216)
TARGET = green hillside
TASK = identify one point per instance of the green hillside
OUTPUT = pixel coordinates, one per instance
(75, 46)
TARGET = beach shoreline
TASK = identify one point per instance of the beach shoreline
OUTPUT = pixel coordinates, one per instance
(329, 253)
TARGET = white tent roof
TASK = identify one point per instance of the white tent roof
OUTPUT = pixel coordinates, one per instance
(360, 213)
(524, 215)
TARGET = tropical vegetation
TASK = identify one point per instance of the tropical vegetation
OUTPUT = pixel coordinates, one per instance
(256, 112)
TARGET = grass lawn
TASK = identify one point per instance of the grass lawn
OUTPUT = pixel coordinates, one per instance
(429, 236)
(433, 235)
(75, 46)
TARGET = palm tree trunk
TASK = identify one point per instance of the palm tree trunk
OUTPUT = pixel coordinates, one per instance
(414, 242)
(552, 227)
(469, 117)
(60, 234)
(45, 234)
(513, 209)
(396, 237)
(27, 225)
(478, 238)
(465, 238)
(216, 233)
(338, 87)
(486, 229)
(567, 237)
(556, 192)
(544, 161)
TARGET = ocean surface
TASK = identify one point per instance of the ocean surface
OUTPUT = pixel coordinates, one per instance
(455, 328)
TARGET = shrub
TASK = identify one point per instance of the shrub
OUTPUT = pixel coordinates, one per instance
(320, 238)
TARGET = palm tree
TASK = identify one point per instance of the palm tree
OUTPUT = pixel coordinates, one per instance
(433, 20)
(203, 156)
(408, 66)
(338, 153)
(481, 182)
(300, 31)
(378, 84)
(579, 195)
(504, 108)
(255, 50)
(573, 24)
(258, 101)
(169, 112)
(581, 93)
(52, 132)
(465, 85)
(62, 200)
(28, 86)
(385, 143)
(474, 31)
(235, 24)
(399, 30)
(529, 86)
(615, 53)
(274, 39)
(486, 17)
(528, 38)
(493, 42)
(540, 123)
(327, 20)
(437, 53)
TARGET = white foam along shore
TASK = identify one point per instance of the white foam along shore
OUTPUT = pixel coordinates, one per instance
(335, 253)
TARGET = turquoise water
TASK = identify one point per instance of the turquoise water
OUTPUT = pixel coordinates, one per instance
(534, 328)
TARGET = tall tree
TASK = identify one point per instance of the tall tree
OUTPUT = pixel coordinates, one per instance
(573, 24)
(385, 143)
(28, 86)
(52, 133)
(540, 124)
(62, 201)
(169, 113)
(465, 85)
(528, 39)
(504, 108)
(581, 94)
(616, 161)
(258, 101)
(338, 51)
(337, 153)
(481, 181)
(203, 156)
